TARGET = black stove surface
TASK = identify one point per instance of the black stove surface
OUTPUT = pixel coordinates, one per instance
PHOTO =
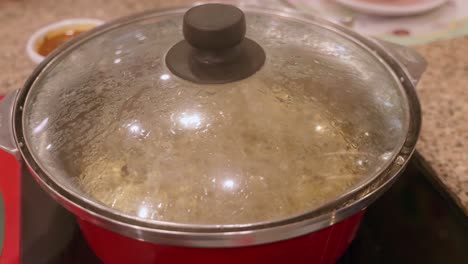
(413, 222)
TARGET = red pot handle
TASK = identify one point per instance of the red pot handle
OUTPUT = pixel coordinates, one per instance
(10, 217)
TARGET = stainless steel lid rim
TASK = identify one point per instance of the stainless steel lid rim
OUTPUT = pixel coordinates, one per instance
(199, 236)
(225, 235)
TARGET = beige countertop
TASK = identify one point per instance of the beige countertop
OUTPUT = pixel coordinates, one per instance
(443, 90)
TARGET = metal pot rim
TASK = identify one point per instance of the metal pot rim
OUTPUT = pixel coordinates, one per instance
(160, 232)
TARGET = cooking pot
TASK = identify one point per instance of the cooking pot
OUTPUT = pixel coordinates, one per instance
(217, 136)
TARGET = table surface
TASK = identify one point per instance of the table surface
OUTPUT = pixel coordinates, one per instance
(442, 91)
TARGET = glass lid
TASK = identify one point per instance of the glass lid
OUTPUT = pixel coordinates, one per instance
(240, 141)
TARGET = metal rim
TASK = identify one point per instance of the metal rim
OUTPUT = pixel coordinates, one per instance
(233, 235)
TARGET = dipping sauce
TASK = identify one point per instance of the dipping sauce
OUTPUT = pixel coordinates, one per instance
(54, 39)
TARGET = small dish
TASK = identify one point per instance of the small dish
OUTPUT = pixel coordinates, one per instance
(73, 26)
(392, 9)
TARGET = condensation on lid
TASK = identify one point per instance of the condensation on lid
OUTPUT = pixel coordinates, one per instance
(109, 120)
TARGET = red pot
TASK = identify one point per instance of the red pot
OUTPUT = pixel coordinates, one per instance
(321, 247)
(219, 148)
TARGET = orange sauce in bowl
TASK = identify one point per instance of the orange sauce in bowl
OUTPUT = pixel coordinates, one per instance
(54, 39)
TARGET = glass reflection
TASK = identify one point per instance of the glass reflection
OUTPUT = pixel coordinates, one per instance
(39, 128)
(135, 129)
(334, 49)
(386, 155)
(188, 121)
(229, 184)
(143, 212)
(140, 36)
(165, 77)
(318, 128)
(388, 104)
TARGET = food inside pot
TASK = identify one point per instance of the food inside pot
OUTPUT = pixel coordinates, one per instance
(261, 149)
(231, 155)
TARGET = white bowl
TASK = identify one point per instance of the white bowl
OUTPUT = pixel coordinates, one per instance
(42, 32)
(392, 9)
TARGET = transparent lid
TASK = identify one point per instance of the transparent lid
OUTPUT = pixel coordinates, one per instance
(109, 120)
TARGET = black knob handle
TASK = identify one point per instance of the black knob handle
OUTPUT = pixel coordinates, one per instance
(214, 26)
(215, 49)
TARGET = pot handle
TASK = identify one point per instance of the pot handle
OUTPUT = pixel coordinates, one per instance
(7, 141)
(414, 63)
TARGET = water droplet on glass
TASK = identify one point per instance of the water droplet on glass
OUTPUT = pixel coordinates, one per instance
(400, 161)
(140, 37)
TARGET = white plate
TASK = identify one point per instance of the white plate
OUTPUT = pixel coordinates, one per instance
(392, 9)
(39, 34)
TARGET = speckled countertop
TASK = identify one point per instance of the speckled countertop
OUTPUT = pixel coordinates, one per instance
(443, 90)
